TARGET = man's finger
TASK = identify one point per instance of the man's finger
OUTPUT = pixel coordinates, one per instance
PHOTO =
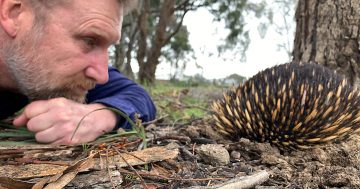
(33, 109)
(36, 108)
(21, 120)
(49, 135)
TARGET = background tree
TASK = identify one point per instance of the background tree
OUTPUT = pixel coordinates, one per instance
(177, 52)
(233, 14)
(327, 32)
(287, 25)
(149, 29)
(149, 32)
(123, 52)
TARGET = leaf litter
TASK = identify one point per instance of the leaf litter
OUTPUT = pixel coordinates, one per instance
(182, 130)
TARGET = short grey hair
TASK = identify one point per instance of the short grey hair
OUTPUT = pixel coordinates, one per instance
(42, 5)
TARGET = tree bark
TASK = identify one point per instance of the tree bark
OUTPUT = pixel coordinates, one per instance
(120, 63)
(147, 71)
(142, 41)
(128, 69)
(119, 57)
(327, 33)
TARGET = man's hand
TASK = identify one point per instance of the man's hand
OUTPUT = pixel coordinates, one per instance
(55, 120)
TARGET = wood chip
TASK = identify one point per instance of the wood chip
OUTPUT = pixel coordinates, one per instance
(142, 157)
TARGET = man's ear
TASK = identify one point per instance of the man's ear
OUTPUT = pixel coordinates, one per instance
(9, 16)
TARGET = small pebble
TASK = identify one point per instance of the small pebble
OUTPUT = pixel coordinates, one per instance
(213, 154)
(235, 154)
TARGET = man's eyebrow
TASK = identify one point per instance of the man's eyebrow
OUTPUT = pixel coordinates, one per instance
(112, 36)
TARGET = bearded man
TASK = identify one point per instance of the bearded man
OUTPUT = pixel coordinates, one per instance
(54, 66)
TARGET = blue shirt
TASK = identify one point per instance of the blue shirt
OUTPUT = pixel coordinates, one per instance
(119, 92)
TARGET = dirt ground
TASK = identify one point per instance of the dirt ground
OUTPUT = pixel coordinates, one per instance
(329, 166)
(335, 165)
(206, 159)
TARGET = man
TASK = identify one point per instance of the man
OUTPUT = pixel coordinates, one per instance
(54, 66)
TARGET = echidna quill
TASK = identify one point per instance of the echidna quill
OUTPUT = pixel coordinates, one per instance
(294, 105)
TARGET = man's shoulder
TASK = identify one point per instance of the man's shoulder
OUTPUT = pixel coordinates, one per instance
(113, 69)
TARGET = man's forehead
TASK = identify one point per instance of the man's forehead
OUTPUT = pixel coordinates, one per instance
(92, 16)
(93, 8)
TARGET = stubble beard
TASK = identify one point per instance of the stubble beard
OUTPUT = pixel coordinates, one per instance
(34, 78)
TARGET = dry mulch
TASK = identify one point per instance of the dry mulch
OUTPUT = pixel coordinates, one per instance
(330, 166)
(335, 165)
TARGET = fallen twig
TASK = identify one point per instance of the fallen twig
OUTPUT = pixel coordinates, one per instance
(146, 156)
(173, 137)
(240, 182)
(170, 179)
(34, 161)
(132, 168)
(155, 120)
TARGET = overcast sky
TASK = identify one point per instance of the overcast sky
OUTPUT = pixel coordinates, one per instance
(205, 36)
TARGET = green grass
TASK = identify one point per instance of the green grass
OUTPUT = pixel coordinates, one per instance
(170, 100)
(17, 135)
(168, 97)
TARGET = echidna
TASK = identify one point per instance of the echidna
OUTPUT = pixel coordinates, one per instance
(293, 105)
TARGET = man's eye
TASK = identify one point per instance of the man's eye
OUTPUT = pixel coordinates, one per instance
(90, 41)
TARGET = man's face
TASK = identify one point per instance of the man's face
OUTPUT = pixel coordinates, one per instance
(68, 55)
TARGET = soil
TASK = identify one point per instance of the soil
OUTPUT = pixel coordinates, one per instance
(207, 159)
(330, 166)
(335, 165)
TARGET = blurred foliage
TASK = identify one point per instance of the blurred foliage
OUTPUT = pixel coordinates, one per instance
(141, 40)
(176, 100)
(238, 78)
(176, 52)
(287, 25)
(234, 14)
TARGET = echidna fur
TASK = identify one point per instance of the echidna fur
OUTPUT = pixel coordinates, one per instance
(293, 105)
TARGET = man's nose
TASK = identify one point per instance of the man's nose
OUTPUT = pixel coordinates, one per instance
(98, 67)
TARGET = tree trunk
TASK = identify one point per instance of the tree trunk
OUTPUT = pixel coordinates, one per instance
(142, 41)
(147, 71)
(327, 33)
(128, 69)
(120, 64)
(119, 57)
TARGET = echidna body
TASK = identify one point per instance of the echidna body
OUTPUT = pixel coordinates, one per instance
(291, 106)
